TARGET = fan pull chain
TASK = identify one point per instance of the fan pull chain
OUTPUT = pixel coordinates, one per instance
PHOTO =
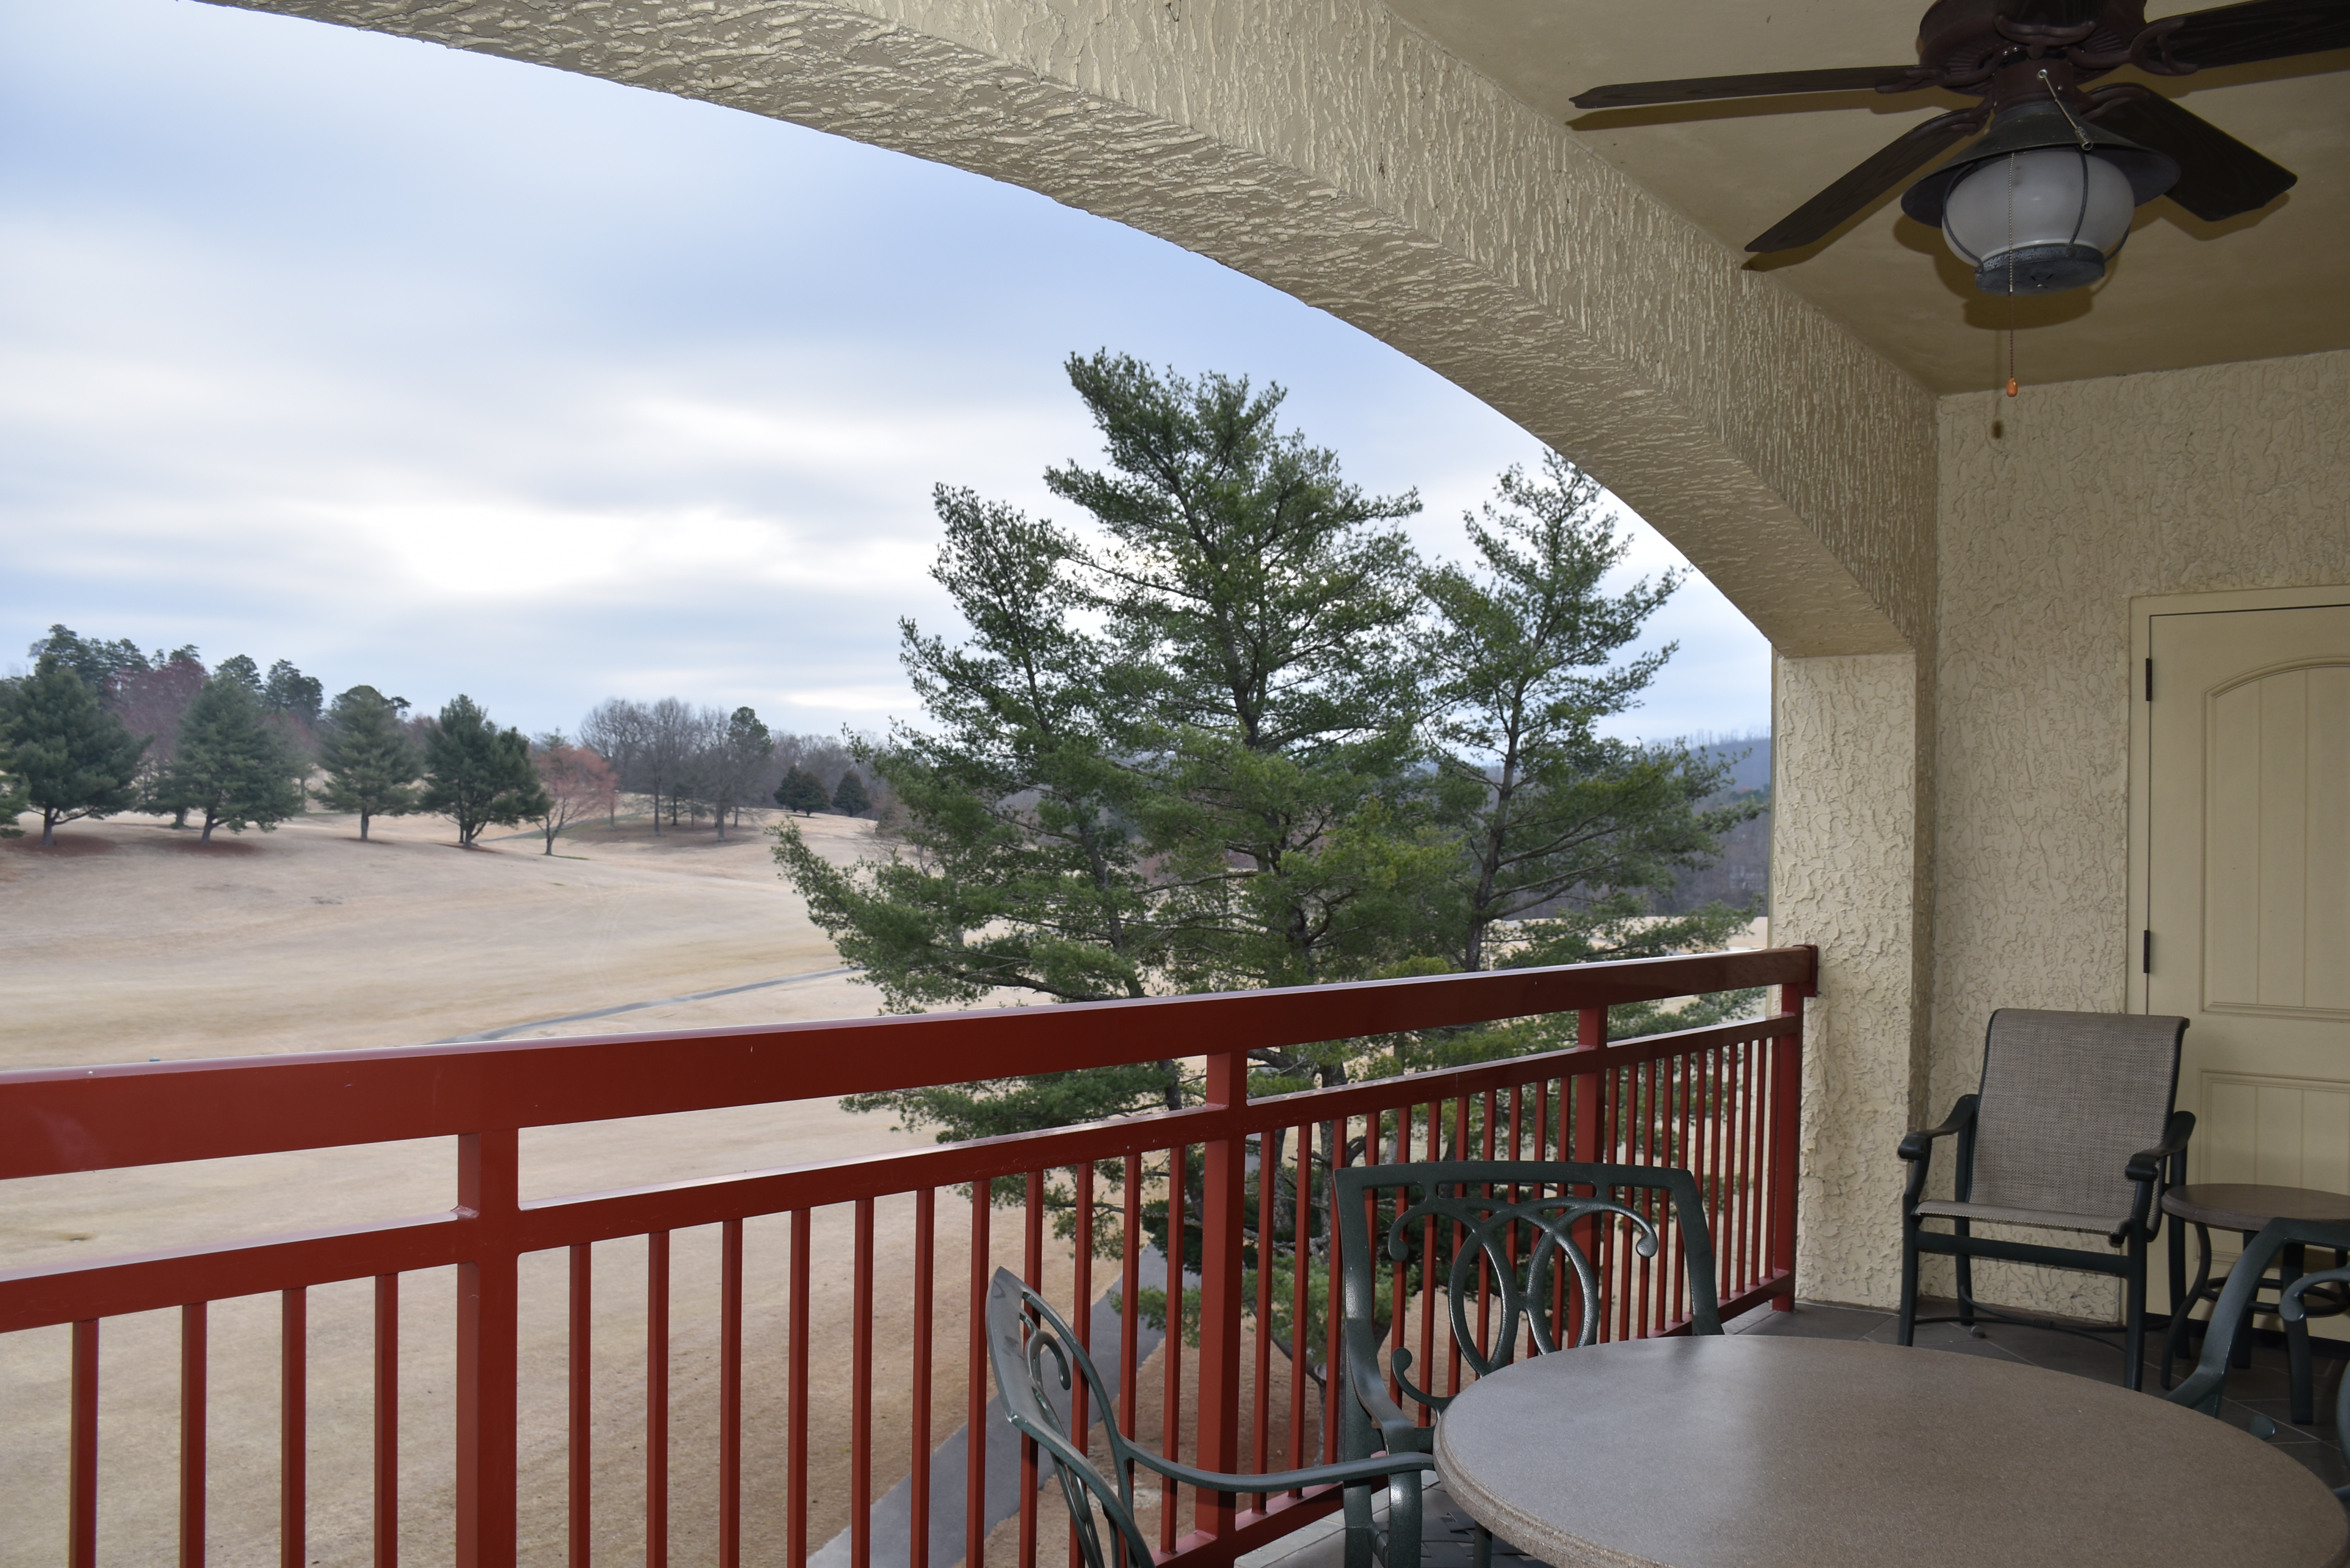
(2010, 270)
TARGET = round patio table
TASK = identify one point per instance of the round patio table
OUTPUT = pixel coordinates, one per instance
(1761, 1451)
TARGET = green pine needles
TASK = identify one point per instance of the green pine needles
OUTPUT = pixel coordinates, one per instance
(1234, 733)
(371, 767)
(480, 775)
(230, 763)
(62, 754)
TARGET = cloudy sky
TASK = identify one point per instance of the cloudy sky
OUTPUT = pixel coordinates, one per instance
(443, 373)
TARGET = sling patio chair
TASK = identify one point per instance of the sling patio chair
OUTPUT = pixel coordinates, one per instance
(1035, 1353)
(1501, 1235)
(2073, 1129)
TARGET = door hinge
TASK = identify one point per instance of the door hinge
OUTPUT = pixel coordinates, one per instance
(2149, 680)
(2146, 953)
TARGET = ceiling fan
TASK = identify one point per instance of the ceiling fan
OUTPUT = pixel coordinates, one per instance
(2043, 200)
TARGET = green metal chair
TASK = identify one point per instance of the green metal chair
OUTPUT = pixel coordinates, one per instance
(2202, 1388)
(1516, 1221)
(2293, 1310)
(1033, 1351)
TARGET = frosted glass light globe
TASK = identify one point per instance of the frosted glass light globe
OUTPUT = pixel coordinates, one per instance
(2063, 213)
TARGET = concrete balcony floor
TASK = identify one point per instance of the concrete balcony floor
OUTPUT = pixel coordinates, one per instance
(2260, 1389)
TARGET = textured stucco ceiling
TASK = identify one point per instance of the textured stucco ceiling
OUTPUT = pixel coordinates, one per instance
(2182, 293)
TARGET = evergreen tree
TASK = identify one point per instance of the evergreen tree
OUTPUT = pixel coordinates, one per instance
(289, 691)
(1261, 606)
(97, 663)
(241, 669)
(371, 767)
(1217, 787)
(801, 791)
(69, 757)
(477, 774)
(850, 799)
(1565, 831)
(230, 763)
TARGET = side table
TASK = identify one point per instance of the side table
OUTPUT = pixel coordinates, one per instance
(2244, 1208)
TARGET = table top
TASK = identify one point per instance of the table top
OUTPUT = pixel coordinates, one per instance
(1771, 1451)
(2245, 1206)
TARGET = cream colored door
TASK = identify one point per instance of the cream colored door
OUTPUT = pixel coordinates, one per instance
(2248, 885)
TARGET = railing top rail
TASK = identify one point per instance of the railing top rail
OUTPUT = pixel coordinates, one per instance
(60, 1291)
(68, 1119)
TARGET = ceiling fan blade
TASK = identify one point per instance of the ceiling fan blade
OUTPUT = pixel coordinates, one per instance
(2219, 176)
(1884, 169)
(1768, 84)
(2258, 30)
(2051, 13)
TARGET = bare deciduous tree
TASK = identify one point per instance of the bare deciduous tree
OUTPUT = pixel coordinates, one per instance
(578, 783)
(616, 730)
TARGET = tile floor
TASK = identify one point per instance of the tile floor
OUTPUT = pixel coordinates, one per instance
(2257, 1389)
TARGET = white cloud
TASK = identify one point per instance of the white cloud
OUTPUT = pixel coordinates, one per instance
(441, 372)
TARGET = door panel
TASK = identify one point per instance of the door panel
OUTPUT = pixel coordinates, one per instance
(2248, 885)
(2276, 902)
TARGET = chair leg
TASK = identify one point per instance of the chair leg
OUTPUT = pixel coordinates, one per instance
(1966, 1269)
(1362, 1540)
(2296, 1342)
(2239, 1354)
(1403, 1520)
(2183, 1304)
(2134, 1317)
(1907, 1334)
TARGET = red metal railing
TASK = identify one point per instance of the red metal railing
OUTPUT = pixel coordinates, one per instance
(1720, 1100)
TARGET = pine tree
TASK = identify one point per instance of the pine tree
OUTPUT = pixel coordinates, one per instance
(801, 791)
(289, 691)
(850, 799)
(69, 757)
(1263, 607)
(100, 664)
(371, 767)
(241, 669)
(230, 763)
(1565, 835)
(477, 774)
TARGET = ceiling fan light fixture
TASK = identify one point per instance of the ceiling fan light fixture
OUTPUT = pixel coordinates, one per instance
(2033, 211)
(2038, 223)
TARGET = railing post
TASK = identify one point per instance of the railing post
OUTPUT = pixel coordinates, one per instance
(1590, 1034)
(1219, 1295)
(1787, 1131)
(488, 1191)
(1581, 1130)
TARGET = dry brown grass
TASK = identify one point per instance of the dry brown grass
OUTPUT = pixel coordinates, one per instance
(127, 943)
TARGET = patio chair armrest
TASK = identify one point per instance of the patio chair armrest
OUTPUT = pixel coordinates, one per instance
(2147, 1164)
(1397, 1432)
(2146, 1170)
(2292, 1308)
(1378, 1466)
(1917, 1149)
(1918, 1143)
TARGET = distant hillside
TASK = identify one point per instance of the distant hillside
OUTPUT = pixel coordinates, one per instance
(1743, 874)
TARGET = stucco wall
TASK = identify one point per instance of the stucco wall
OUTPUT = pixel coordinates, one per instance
(2091, 492)
(1328, 148)
(1845, 845)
